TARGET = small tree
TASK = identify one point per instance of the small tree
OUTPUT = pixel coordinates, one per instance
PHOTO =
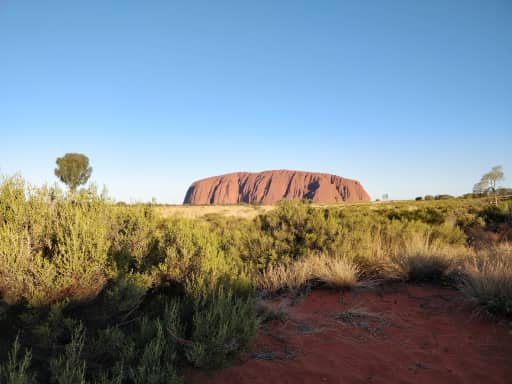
(73, 170)
(489, 181)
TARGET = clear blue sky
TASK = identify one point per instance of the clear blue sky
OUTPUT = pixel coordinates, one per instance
(409, 97)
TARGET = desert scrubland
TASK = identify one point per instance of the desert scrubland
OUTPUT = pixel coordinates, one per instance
(97, 292)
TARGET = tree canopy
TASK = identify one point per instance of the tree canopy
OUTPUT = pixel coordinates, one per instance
(73, 170)
(489, 181)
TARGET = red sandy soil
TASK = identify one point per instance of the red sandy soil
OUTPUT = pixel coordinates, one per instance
(414, 334)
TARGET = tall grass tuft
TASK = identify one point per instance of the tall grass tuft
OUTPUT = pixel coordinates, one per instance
(292, 277)
(488, 279)
(337, 272)
(421, 260)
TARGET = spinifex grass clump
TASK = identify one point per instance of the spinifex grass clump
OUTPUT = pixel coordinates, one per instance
(337, 272)
(422, 260)
(489, 279)
(278, 277)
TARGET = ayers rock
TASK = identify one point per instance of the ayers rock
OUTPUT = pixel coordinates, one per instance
(269, 187)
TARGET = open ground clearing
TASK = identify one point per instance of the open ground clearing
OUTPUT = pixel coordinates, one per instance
(393, 334)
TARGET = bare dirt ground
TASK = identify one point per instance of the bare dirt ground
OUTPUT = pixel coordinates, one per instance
(394, 334)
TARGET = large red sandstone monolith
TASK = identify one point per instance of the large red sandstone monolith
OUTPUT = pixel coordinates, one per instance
(269, 187)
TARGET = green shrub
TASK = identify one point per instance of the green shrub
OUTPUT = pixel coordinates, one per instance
(147, 350)
(427, 215)
(69, 366)
(16, 369)
(125, 294)
(155, 363)
(51, 249)
(49, 326)
(194, 257)
(134, 238)
(223, 326)
(80, 259)
(496, 214)
(443, 197)
(114, 350)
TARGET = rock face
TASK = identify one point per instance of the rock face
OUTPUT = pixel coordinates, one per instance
(269, 187)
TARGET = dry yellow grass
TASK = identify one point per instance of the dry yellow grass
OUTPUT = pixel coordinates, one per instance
(422, 260)
(292, 277)
(337, 272)
(488, 278)
(200, 211)
(243, 211)
(247, 211)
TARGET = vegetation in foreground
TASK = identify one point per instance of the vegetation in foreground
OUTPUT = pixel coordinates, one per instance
(93, 292)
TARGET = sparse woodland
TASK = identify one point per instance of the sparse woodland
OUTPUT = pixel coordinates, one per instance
(94, 292)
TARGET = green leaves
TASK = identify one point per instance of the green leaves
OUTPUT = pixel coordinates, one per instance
(73, 170)
(224, 325)
(15, 369)
(69, 366)
(489, 181)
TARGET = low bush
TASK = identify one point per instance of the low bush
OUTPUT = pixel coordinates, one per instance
(223, 326)
(427, 215)
(51, 249)
(134, 238)
(158, 345)
(69, 366)
(443, 197)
